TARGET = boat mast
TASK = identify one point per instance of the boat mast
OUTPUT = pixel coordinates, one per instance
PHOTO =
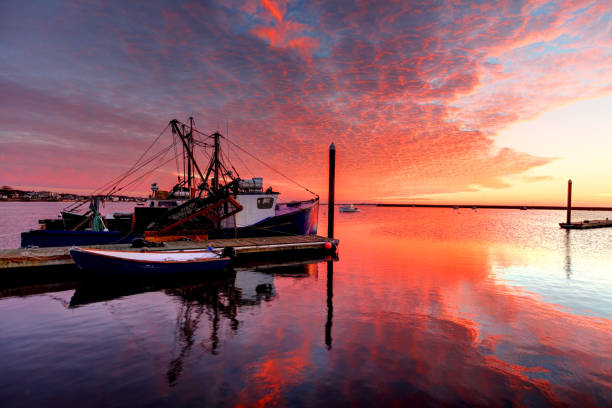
(216, 163)
(190, 170)
(188, 160)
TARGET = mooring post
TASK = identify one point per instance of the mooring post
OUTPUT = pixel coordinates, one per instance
(330, 193)
(569, 201)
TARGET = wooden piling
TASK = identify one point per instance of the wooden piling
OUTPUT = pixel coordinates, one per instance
(585, 224)
(332, 186)
(569, 201)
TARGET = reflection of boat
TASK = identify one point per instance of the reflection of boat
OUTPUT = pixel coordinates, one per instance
(349, 208)
(147, 263)
(207, 309)
(216, 202)
(96, 288)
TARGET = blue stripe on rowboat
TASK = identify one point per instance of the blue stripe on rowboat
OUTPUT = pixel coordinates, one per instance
(147, 263)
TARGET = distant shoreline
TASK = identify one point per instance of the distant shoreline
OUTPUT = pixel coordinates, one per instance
(42, 200)
(497, 207)
(452, 206)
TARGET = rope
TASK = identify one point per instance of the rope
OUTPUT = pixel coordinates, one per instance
(243, 162)
(145, 174)
(262, 162)
(273, 169)
(132, 171)
(119, 178)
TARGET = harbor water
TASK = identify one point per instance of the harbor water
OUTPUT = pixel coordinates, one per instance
(424, 306)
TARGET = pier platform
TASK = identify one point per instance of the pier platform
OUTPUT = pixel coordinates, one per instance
(23, 259)
(587, 224)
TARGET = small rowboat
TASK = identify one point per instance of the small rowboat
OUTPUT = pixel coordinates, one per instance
(133, 263)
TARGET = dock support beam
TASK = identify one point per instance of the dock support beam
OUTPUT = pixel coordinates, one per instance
(569, 201)
(332, 186)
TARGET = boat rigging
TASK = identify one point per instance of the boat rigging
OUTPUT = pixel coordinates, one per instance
(206, 201)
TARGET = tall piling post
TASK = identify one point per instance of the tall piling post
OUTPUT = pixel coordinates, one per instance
(569, 201)
(330, 194)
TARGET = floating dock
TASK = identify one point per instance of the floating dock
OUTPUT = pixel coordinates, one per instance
(587, 224)
(246, 248)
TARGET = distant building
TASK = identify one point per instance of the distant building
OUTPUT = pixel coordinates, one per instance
(47, 195)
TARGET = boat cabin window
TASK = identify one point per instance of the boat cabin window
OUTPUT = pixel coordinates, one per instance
(265, 202)
(162, 203)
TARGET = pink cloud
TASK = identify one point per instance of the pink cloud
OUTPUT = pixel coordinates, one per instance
(412, 94)
(273, 8)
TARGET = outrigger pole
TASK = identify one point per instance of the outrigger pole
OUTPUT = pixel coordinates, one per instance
(176, 130)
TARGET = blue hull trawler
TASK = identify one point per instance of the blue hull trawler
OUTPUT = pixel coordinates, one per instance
(215, 203)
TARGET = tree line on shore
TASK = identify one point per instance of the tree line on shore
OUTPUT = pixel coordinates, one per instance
(8, 193)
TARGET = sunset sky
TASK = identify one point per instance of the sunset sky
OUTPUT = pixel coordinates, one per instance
(427, 102)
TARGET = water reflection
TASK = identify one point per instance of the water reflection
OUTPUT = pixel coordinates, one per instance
(568, 256)
(330, 304)
(213, 301)
(100, 289)
(429, 308)
(204, 306)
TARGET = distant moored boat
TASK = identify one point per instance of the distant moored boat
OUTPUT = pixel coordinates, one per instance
(349, 208)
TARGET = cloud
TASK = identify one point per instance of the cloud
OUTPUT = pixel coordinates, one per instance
(412, 93)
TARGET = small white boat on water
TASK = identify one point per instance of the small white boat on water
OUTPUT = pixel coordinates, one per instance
(349, 208)
(147, 262)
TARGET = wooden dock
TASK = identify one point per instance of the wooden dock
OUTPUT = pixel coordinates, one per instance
(246, 248)
(587, 224)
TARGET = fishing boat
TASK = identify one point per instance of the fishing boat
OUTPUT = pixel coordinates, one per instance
(214, 203)
(136, 263)
(349, 208)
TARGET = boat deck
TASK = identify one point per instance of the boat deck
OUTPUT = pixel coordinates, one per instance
(24, 258)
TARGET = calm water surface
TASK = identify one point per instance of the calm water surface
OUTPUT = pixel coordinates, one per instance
(429, 306)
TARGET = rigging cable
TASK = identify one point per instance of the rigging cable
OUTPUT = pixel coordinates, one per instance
(264, 163)
(118, 178)
(158, 155)
(147, 173)
(273, 169)
(133, 169)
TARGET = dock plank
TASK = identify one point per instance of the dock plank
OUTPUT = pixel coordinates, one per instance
(35, 257)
